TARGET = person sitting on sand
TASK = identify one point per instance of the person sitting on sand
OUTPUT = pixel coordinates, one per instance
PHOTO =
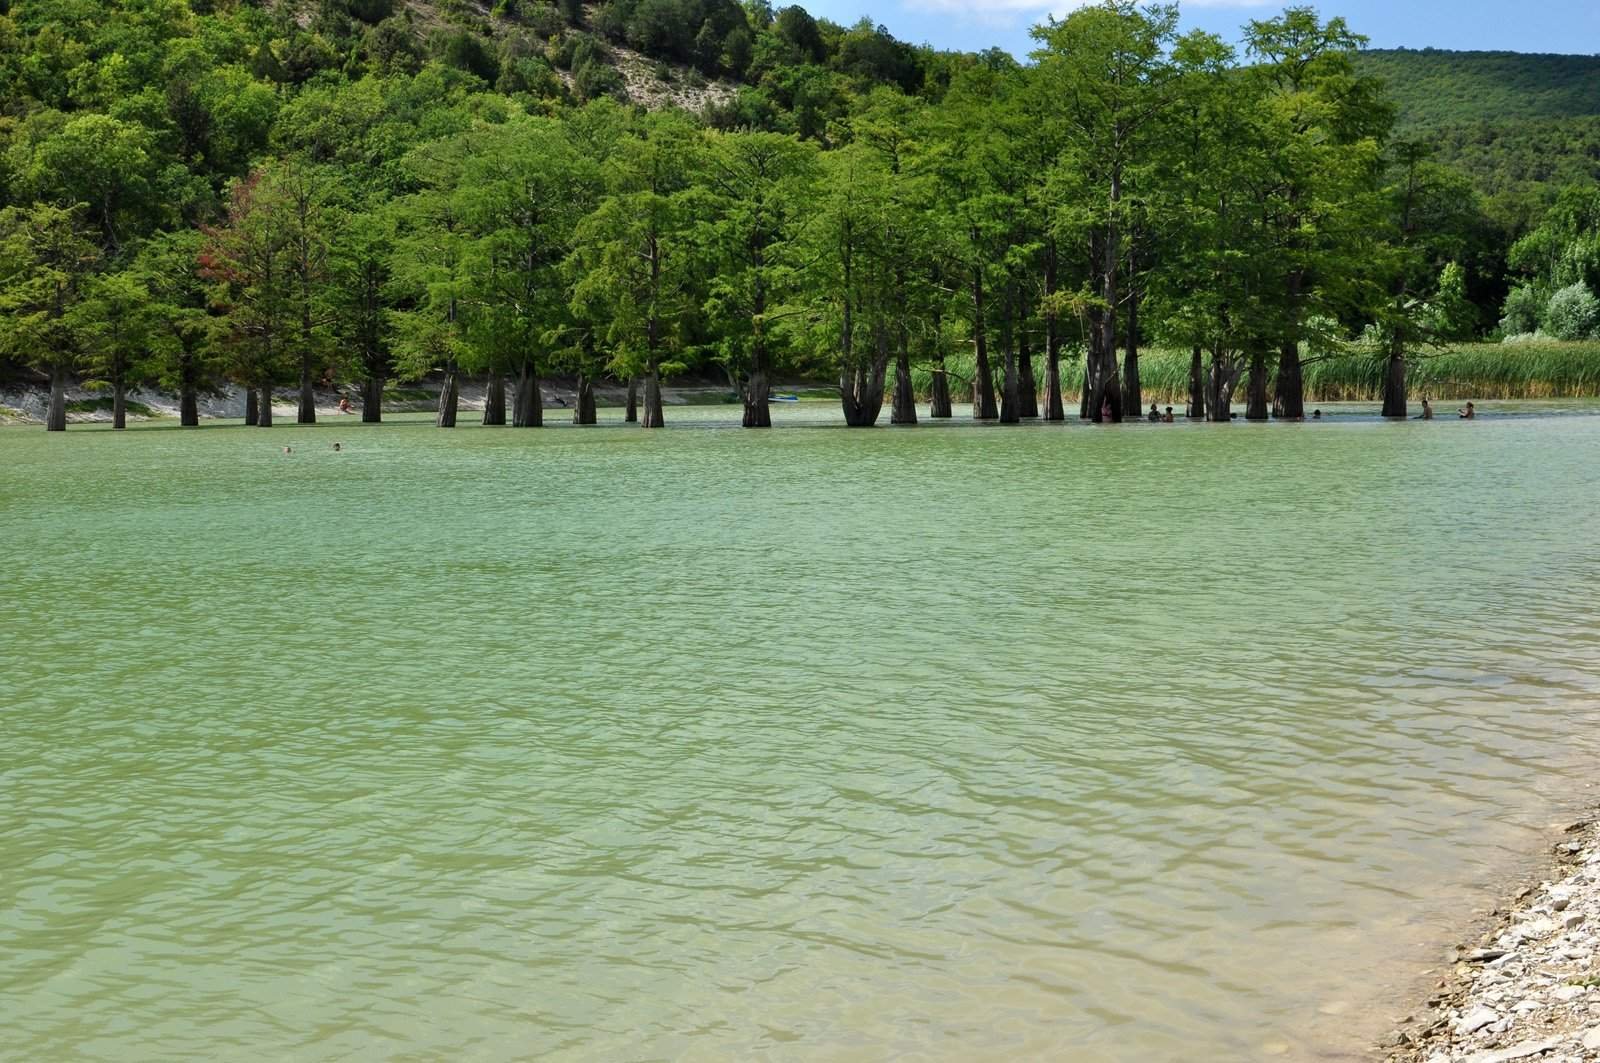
(344, 404)
(1468, 413)
(1167, 418)
(1155, 414)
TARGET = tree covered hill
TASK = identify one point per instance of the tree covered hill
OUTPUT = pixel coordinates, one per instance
(1433, 88)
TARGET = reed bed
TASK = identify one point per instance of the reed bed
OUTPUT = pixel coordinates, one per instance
(1540, 370)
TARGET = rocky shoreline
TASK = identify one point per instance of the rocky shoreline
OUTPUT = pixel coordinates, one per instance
(1528, 988)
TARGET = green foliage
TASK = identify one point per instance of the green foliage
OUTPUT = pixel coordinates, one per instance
(1434, 88)
(1573, 314)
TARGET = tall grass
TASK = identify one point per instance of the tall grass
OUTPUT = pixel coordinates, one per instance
(1548, 370)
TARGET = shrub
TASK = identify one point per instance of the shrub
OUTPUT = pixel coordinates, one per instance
(1523, 311)
(1573, 314)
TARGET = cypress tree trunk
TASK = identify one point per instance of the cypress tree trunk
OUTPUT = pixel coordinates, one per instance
(1256, 400)
(449, 397)
(583, 411)
(529, 412)
(632, 414)
(56, 419)
(372, 400)
(252, 407)
(904, 410)
(1223, 378)
(861, 385)
(1288, 395)
(264, 411)
(119, 404)
(494, 401)
(1054, 408)
(1011, 393)
(939, 392)
(188, 400)
(983, 402)
(1010, 377)
(654, 414)
(1395, 398)
(1027, 386)
(307, 413)
(1197, 386)
(1132, 391)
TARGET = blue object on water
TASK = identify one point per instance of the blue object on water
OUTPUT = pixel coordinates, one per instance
(783, 398)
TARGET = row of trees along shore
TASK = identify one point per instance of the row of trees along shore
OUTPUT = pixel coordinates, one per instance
(1128, 184)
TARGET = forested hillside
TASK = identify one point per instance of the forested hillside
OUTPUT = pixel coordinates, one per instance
(1521, 126)
(194, 191)
(1433, 88)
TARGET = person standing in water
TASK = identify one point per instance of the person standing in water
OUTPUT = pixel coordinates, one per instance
(1167, 418)
(1155, 414)
(1427, 410)
(1468, 413)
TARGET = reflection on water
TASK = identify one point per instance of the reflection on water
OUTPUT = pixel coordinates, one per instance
(969, 743)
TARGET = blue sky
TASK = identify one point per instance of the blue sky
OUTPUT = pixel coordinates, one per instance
(1567, 26)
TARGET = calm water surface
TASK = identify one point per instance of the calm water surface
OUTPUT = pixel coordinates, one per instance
(963, 743)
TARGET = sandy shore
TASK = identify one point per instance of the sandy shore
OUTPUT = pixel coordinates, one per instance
(1527, 988)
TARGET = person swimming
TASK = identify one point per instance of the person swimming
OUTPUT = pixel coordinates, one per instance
(1468, 413)
(288, 450)
(1316, 415)
(338, 447)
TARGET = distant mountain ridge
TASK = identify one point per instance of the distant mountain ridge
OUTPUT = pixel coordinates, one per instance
(1435, 88)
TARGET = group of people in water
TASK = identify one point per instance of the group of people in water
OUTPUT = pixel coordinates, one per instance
(1469, 412)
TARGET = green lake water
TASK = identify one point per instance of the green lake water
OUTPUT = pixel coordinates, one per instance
(956, 743)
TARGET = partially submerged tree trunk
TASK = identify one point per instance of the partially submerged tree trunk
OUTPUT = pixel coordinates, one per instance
(1054, 408)
(372, 400)
(1288, 393)
(529, 410)
(654, 411)
(1197, 386)
(1395, 397)
(1256, 390)
(1027, 386)
(252, 408)
(264, 412)
(188, 397)
(631, 416)
(307, 413)
(939, 388)
(56, 419)
(1102, 399)
(939, 407)
(1132, 391)
(494, 400)
(983, 402)
(904, 409)
(861, 385)
(583, 411)
(1221, 381)
(119, 404)
(449, 397)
